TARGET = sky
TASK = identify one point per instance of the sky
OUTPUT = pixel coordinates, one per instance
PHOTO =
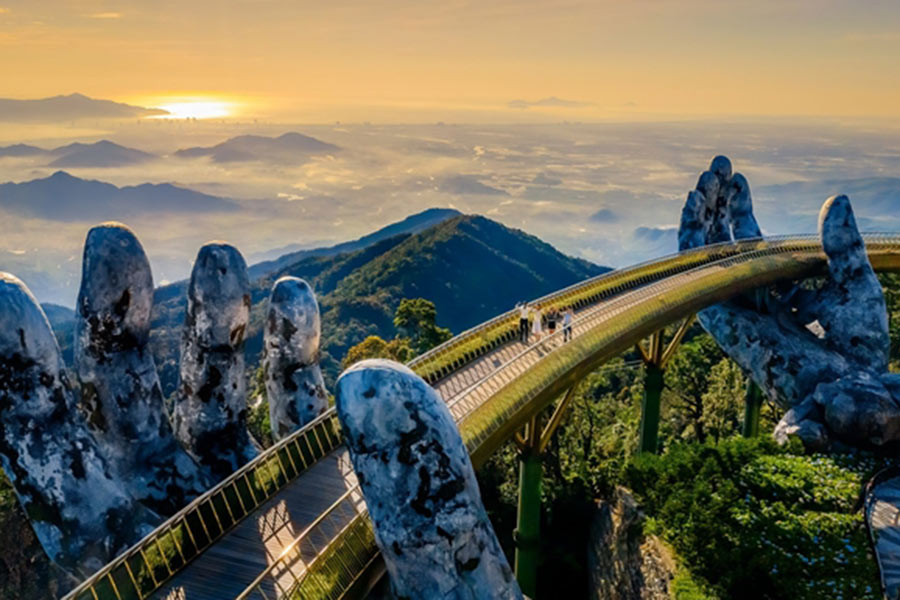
(408, 60)
(584, 123)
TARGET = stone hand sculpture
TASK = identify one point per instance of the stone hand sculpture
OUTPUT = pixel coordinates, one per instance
(121, 396)
(420, 487)
(294, 383)
(823, 353)
(210, 415)
(78, 508)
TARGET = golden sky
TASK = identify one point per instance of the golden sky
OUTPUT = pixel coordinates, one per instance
(607, 59)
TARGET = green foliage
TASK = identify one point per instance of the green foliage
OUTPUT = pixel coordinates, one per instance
(687, 379)
(258, 421)
(760, 521)
(722, 408)
(25, 571)
(891, 284)
(373, 346)
(416, 319)
(685, 586)
(600, 431)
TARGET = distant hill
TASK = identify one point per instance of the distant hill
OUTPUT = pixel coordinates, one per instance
(18, 150)
(794, 206)
(100, 154)
(287, 255)
(472, 268)
(71, 107)
(286, 148)
(62, 197)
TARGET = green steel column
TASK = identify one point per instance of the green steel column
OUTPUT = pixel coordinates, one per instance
(653, 386)
(528, 529)
(752, 405)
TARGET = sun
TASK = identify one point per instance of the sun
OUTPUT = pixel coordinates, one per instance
(199, 109)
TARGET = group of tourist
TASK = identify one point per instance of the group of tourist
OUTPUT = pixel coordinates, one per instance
(532, 321)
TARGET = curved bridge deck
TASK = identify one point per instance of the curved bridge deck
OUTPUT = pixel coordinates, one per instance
(293, 523)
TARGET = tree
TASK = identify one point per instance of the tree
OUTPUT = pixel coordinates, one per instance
(891, 284)
(373, 346)
(686, 381)
(723, 401)
(415, 319)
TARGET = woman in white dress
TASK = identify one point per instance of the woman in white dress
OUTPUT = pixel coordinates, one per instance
(536, 325)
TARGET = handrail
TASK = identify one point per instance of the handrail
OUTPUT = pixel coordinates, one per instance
(179, 533)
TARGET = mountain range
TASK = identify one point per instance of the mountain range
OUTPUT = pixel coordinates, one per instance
(63, 197)
(71, 107)
(471, 267)
(99, 154)
(280, 258)
(285, 148)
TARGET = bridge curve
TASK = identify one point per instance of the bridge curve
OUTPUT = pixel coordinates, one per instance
(292, 523)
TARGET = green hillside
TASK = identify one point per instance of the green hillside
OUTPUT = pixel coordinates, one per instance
(472, 268)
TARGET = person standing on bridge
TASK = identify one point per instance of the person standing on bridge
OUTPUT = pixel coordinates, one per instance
(536, 324)
(568, 317)
(523, 322)
(552, 318)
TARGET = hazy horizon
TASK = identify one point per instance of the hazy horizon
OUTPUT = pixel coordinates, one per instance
(582, 122)
(610, 193)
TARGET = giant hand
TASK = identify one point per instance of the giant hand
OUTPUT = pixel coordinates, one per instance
(93, 481)
(823, 353)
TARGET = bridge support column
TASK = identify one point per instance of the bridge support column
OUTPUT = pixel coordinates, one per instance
(653, 386)
(527, 535)
(532, 443)
(655, 358)
(752, 405)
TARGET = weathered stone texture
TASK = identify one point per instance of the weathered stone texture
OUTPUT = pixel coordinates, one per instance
(420, 487)
(821, 353)
(121, 396)
(210, 415)
(81, 514)
(294, 384)
(623, 563)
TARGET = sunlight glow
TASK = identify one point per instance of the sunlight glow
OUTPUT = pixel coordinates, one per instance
(201, 109)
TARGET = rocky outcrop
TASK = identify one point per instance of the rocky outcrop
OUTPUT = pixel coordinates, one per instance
(80, 512)
(210, 414)
(121, 397)
(420, 487)
(294, 384)
(833, 383)
(623, 563)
